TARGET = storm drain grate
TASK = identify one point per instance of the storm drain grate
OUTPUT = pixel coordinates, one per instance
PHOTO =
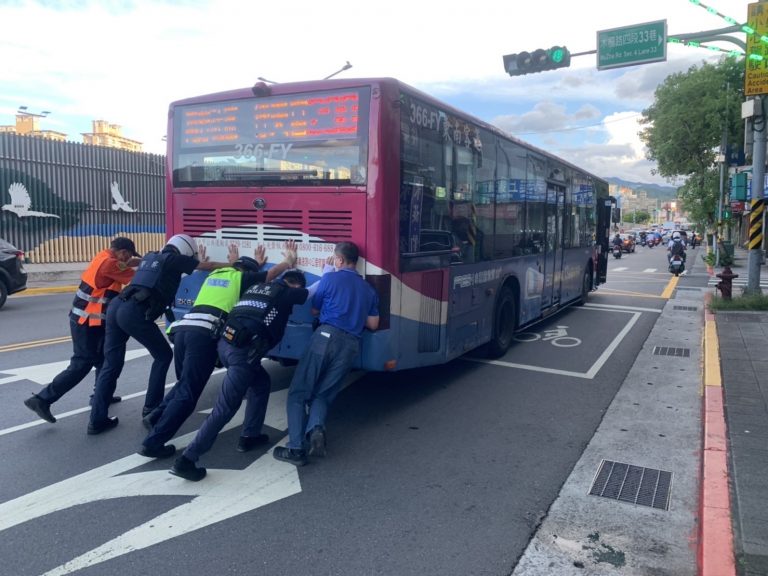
(670, 351)
(634, 484)
(689, 308)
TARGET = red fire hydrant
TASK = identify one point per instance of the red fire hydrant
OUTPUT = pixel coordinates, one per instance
(726, 282)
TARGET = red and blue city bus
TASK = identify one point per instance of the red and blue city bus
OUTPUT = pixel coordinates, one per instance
(467, 234)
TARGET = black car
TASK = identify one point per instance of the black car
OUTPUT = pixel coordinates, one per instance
(13, 278)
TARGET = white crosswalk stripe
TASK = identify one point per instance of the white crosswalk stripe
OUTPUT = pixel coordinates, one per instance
(738, 282)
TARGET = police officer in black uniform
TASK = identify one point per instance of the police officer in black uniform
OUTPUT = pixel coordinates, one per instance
(134, 312)
(255, 325)
(195, 337)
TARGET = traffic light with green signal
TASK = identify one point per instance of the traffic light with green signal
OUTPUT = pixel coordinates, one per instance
(727, 213)
(537, 61)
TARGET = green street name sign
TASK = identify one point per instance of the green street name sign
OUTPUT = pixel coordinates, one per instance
(631, 45)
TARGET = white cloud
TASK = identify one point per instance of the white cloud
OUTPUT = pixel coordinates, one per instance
(125, 60)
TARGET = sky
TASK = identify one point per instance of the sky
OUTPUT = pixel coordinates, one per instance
(125, 61)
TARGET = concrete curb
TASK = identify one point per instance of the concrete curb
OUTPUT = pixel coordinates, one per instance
(47, 290)
(716, 552)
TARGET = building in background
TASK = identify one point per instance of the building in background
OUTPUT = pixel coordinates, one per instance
(28, 125)
(103, 134)
(634, 201)
(109, 135)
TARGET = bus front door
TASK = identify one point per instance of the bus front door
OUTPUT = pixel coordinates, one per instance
(553, 244)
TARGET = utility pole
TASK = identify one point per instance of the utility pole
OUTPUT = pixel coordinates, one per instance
(757, 205)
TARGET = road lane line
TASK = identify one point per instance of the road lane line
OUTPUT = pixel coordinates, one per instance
(592, 372)
(596, 366)
(33, 344)
(620, 307)
(58, 340)
(667, 293)
(627, 293)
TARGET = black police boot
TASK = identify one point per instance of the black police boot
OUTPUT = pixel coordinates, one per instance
(40, 407)
(185, 468)
(164, 451)
(248, 443)
(107, 424)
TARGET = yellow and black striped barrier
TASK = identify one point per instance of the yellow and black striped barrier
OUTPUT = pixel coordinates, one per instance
(756, 224)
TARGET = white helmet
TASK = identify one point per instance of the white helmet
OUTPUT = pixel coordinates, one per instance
(184, 244)
(675, 235)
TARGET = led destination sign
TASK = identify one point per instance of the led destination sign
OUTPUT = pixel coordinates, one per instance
(302, 117)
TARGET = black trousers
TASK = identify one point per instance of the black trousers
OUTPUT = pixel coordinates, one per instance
(126, 319)
(195, 356)
(88, 347)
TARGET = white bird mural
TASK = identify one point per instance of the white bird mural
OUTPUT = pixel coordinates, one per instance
(21, 203)
(120, 203)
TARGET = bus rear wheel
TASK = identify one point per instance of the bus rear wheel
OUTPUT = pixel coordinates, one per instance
(586, 286)
(504, 323)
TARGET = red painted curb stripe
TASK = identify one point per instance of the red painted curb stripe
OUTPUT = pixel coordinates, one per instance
(716, 554)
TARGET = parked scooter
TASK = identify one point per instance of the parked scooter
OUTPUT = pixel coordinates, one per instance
(676, 265)
(616, 250)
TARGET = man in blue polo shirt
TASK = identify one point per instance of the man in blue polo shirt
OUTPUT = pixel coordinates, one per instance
(346, 305)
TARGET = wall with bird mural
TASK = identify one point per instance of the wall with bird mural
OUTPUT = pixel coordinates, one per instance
(64, 201)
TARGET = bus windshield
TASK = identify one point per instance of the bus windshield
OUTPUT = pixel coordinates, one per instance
(314, 138)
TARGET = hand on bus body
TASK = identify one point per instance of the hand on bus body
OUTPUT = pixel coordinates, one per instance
(233, 253)
(205, 265)
(260, 255)
(290, 252)
(289, 261)
(201, 252)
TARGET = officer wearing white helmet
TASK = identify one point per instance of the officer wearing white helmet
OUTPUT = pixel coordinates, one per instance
(133, 314)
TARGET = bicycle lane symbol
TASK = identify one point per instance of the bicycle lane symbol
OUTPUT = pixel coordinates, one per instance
(557, 336)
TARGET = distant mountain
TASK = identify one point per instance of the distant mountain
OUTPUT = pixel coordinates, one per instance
(653, 190)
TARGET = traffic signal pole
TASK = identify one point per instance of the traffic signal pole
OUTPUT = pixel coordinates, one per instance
(757, 205)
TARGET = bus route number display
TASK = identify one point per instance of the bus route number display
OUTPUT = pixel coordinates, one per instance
(247, 123)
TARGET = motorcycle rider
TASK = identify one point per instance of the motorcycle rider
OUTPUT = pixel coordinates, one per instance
(676, 246)
(617, 241)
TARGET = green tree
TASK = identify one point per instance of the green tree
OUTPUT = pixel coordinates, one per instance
(641, 217)
(693, 112)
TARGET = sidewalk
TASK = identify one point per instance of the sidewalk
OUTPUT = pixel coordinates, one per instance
(53, 278)
(743, 345)
(644, 516)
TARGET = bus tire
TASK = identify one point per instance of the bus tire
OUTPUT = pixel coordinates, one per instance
(504, 323)
(586, 286)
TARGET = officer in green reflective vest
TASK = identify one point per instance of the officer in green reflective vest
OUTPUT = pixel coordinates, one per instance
(195, 337)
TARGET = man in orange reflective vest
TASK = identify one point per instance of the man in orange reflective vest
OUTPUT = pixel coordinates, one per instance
(101, 281)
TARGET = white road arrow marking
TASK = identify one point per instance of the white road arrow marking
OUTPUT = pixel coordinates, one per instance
(44, 373)
(222, 495)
